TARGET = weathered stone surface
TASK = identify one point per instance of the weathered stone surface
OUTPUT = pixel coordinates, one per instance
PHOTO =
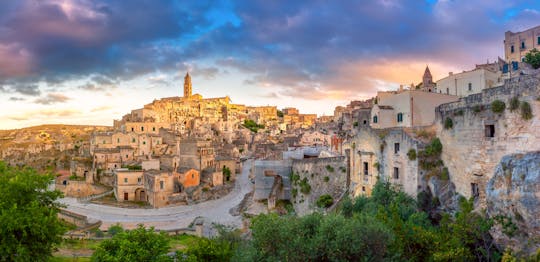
(514, 191)
(324, 176)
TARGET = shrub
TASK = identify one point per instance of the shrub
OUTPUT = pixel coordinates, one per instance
(514, 104)
(294, 192)
(448, 123)
(411, 154)
(434, 148)
(115, 229)
(329, 168)
(458, 113)
(498, 106)
(325, 201)
(355, 124)
(305, 188)
(526, 111)
(444, 174)
(326, 179)
(533, 58)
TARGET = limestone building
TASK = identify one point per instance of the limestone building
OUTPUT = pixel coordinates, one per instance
(407, 108)
(469, 82)
(427, 81)
(518, 44)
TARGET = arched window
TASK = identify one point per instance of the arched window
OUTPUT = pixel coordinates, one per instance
(375, 119)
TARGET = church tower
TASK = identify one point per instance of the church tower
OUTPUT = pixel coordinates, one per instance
(187, 86)
(427, 81)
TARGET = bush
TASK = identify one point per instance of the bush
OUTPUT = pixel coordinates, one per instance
(326, 179)
(305, 188)
(533, 58)
(448, 123)
(115, 229)
(514, 104)
(325, 201)
(329, 168)
(458, 113)
(444, 174)
(526, 111)
(434, 148)
(355, 124)
(411, 154)
(498, 106)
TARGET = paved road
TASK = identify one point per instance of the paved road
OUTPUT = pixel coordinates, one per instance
(172, 217)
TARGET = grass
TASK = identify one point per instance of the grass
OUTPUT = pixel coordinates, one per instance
(75, 244)
(69, 259)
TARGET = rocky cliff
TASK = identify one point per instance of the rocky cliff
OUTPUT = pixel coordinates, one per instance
(513, 198)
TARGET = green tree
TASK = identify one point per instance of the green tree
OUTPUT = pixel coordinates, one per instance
(533, 58)
(29, 225)
(139, 244)
(115, 229)
(226, 171)
(218, 249)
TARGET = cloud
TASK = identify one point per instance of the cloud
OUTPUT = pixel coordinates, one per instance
(44, 114)
(309, 48)
(100, 108)
(16, 99)
(52, 98)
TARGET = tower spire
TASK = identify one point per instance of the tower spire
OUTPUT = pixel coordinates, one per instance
(187, 86)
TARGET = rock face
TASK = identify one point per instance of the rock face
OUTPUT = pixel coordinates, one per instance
(514, 191)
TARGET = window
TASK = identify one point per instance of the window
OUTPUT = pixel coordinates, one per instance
(470, 86)
(193, 176)
(144, 142)
(132, 129)
(363, 189)
(154, 128)
(139, 180)
(375, 119)
(400, 117)
(512, 49)
(133, 140)
(161, 184)
(365, 122)
(538, 41)
(142, 128)
(475, 192)
(447, 91)
(490, 130)
(522, 45)
(125, 180)
(365, 168)
(396, 148)
(118, 140)
(396, 173)
(103, 141)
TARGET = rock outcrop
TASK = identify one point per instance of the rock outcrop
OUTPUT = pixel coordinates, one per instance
(514, 192)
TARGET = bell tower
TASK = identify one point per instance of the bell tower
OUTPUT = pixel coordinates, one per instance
(187, 86)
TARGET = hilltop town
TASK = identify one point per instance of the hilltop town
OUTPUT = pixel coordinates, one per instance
(471, 134)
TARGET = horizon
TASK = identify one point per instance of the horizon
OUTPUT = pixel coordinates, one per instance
(90, 62)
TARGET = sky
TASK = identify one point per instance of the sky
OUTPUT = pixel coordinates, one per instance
(92, 61)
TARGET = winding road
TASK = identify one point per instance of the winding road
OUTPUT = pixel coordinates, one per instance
(172, 217)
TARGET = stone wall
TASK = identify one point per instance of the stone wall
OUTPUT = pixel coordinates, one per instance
(375, 149)
(470, 156)
(324, 176)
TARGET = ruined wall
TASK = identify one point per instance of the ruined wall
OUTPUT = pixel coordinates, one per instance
(470, 156)
(324, 176)
(374, 149)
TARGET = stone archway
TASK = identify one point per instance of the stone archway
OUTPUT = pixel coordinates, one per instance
(140, 194)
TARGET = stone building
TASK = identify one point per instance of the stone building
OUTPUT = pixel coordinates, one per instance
(469, 82)
(427, 81)
(518, 44)
(407, 108)
(196, 153)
